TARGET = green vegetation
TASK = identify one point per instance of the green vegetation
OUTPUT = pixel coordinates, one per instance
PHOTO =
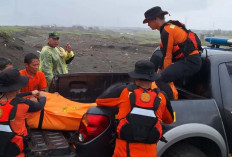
(101, 35)
(135, 36)
(122, 36)
(11, 29)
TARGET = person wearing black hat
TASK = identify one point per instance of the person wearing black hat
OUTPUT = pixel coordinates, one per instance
(179, 46)
(6, 63)
(54, 59)
(13, 111)
(138, 102)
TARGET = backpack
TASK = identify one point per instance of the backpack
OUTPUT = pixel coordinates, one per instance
(141, 123)
(11, 144)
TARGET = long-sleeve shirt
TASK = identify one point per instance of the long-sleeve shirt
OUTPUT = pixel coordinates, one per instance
(24, 106)
(53, 61)
(33, 106)
(171, 35)
(37, 82)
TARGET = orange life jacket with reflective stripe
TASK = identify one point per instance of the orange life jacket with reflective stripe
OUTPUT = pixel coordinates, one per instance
(144, 104)
(11, 144)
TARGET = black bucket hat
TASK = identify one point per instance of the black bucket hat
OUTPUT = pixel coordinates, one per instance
(153, 13)
(11, 80)
(145, 70)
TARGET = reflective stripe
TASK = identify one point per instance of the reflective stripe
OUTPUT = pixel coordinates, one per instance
(5, 128)
(144, 112)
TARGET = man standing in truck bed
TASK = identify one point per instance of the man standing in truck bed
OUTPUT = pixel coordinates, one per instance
(180, 47)
(54, 59)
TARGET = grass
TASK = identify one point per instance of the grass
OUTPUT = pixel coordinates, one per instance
(92, 34)
(11, 29)
(140, 36)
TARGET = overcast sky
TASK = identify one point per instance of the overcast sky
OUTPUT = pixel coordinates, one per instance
(197, 14)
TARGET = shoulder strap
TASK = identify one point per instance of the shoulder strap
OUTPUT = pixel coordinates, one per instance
(179, 24)
(157, 99)
(14, 102)
(132, 99)
(131, 88)
(157, 90)
(174, 22)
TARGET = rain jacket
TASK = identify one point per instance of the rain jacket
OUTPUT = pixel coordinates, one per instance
(118, 96)
(53, 61)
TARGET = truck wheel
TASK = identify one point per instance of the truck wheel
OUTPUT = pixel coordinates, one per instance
(184, 150)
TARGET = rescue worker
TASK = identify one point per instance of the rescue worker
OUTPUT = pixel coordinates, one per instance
(13, 112)
(5, 63)
(138, 103)
(54, 59)
(179, 46)
(37, 80)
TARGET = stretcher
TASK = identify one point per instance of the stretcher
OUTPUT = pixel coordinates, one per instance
(59, 113)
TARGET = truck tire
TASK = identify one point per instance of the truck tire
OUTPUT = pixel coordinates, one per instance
(184, 150)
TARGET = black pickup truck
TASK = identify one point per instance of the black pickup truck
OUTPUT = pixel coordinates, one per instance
(203, 113)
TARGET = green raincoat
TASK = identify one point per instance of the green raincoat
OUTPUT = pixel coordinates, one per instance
(53, 62)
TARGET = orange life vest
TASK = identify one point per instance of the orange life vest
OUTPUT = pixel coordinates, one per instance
(11, 144)
(185, 48)
(144, 104)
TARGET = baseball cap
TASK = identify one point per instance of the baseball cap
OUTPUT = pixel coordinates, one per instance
(54, 35)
